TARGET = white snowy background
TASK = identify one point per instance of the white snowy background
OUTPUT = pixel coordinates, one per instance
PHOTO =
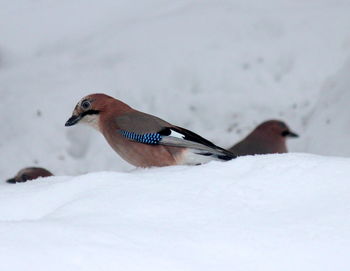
(216, 67)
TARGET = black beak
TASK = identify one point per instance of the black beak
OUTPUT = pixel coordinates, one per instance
(73, 120)
(11, 180)
(289, 134)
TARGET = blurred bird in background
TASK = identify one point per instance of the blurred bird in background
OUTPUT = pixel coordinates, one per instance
(30, 173)
(269, 137)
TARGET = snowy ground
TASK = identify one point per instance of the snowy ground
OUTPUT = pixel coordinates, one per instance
(275, 212)
(217, 67)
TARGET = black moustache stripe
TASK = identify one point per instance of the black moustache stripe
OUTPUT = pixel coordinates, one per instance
(90, 112)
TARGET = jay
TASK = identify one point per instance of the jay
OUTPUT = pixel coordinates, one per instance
(142, 139)
(269, 137)
(29, 173)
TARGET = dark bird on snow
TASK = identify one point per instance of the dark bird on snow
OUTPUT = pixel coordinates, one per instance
(29, 173)
(269, 137)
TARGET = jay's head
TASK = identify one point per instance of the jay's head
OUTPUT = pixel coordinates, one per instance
(28, 174)
(88, 110)
(274, 129)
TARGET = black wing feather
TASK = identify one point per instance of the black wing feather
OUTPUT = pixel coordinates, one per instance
(189, 135)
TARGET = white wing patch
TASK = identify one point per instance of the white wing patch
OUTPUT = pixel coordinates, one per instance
(176, 134)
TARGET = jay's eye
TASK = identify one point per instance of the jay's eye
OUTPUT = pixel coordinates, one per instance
(85, 104)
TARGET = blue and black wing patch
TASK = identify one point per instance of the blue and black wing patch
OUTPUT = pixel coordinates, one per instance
(148, 138)
(170, 134)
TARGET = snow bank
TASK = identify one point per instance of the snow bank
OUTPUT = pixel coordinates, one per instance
(274, 212)
(215, 67)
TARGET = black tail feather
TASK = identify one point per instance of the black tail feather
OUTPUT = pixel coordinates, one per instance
(226, 157)
(219, 156)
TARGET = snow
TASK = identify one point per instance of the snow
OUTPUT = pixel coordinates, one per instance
(218, 68)
(274, 212)
(330, 120)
